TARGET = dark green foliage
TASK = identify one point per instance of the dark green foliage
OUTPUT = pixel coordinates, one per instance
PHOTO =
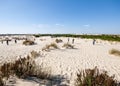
(103, 37)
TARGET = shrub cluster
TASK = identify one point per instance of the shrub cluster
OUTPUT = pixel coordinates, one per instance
(49, 47)
(58, 41)
(67, 45)
(1, 81)
(115, 52)
(22, 68)
(28, 42)
(93, 77)
(35, 54)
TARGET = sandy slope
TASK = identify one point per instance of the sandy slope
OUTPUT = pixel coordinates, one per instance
(67, 62)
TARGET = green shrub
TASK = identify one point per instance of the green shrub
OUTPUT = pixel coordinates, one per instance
(103, 36)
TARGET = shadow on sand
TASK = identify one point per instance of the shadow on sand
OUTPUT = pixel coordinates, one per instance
(57, 80)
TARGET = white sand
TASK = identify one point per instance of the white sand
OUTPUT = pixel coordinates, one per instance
(67, 62)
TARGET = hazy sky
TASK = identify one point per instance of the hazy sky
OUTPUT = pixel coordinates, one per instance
(60, 16)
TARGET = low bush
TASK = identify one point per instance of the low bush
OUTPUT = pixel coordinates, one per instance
(34, 54)
(28, 42)
(22, 68)
(58, 41)
(93, 77)
(67, 45)
(115, 52)
(49, 47)
(1, 82)
(53, 45)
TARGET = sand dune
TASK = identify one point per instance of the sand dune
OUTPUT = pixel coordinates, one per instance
(63, 61)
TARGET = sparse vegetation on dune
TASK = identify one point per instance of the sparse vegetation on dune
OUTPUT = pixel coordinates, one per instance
(58, 41)
(67, 45)
(34, 54)
(115, 52)
(28, 42)
(26, 67)
(22, 68)
(93, 77)
(49, 47)
(102, 37)
(1, 81)
(53, 45)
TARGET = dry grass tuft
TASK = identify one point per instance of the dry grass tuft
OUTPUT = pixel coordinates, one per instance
(92, 77)
(23, 68)
(1, 82)
(58, 41)
(34, 54)
(49, 47)
(67, 45)
(28, 42)
(53, 45)
(115, 52)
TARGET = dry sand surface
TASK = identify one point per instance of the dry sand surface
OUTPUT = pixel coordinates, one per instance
(65, 62)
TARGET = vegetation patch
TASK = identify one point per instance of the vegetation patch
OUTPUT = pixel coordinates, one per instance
(28, 42)
(49, 47)
(35, 54)
(58, 41)
(22, 68)
(93, 77)
(68, 46)
(115, 52)
(1, 81)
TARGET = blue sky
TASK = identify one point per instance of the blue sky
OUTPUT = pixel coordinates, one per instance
(60, 16)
